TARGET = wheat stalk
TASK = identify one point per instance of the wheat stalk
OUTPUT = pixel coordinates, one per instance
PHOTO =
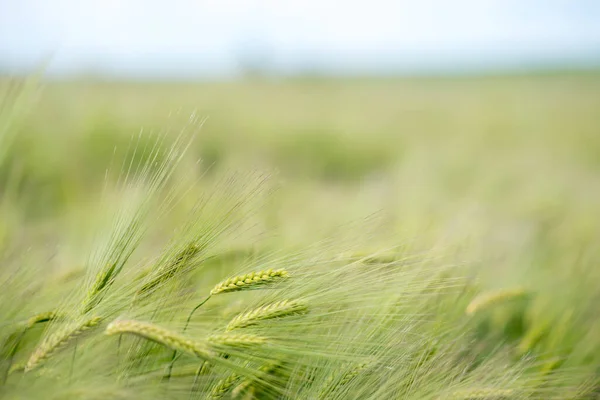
(58, 341)
(482, 394)
(250, 281)
(489, 299)
(159, 335)
(275, 310)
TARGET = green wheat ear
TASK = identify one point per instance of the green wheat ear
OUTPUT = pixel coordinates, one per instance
(17, 368)
(103, 280)
(13, 341)
(489, 299)
(223, 387)
(279, 309)
(253, 280)
(236, 340)
(159, 335)
(41, 317)
(370, 257)
(57, 341)
(29, 323)
(532, 337)
(350, 372)
(250, 281)
(179, 263)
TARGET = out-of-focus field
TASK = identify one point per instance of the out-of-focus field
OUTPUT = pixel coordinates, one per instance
(505, 168)
(509, 157)
(501, 174)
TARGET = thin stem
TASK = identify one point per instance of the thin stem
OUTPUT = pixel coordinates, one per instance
(193, 311)
(173, 359)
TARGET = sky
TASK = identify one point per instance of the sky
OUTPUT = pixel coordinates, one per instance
(214, 38)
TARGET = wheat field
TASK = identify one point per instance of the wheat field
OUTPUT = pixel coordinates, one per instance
(405, 238)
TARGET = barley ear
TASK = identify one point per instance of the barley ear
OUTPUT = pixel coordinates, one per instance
(351, 372)
(492, 298)
(42, 317)
(17, 368)
(250, 281)
(236, 340)
(223, 387)
(13, 341)
(103, 280)
(275, 310)
(57, 341)
(159, 335)
(179, 262)
(532, 337)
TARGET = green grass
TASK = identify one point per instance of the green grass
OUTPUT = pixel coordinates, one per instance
(391, 204)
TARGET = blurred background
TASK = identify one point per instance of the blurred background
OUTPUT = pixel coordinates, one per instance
(466, 119)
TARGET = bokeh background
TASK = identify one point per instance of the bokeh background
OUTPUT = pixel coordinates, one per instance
(470, 124)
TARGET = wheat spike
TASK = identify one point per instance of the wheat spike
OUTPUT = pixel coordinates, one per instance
(170, 270)
(41, 317)
(370, 257)
(104, 279)
(353, 372)
(17, 368)
(236, 340)
(13, 341)
(532, 337)
(488, 299)
(59, 340)
(204, 368)
(159, 335)
(251, 280)
(350, 373)
(482, 394)
(223, 386)
(275, 310)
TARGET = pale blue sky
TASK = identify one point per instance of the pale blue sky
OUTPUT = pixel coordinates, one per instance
(206, 37)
